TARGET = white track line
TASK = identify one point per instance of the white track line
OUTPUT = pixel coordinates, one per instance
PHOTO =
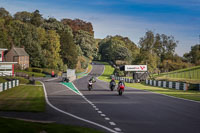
(118, 129)
(107, 118)
(74, 116)
(112, 123)
(103, 115)
(51, 79)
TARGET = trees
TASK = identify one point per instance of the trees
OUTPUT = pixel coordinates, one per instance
(87, 43)
(51, 50)
(194, 55)
(36, 18)
(68, 50)
(23, 16)
(4, 13)
(78, 24)
(114, 48)
(159, 47)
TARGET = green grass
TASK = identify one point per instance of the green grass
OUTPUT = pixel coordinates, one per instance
(81, 74)
(189, 75)
(192, 95)
(23, 98)
(107, 72)
(2, 80)
(32, 73)
(19, 126)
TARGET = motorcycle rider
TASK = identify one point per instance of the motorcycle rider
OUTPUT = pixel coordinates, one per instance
(92, 79)
(121, 82)
(112, 82)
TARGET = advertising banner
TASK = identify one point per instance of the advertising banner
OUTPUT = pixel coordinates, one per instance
(141, 68)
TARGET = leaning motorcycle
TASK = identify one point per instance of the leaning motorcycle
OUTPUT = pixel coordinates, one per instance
(90, 85)
(121, 89)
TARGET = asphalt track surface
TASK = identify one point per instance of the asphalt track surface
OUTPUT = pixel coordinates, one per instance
(136, 111)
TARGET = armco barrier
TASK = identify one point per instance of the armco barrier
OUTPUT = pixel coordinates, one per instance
(174, 85)
(127, 80)
(8, 85)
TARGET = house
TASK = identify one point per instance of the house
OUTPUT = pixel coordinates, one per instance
(6, 68)
(18, 55)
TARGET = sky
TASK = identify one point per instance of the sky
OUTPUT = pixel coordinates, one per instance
(128, 18)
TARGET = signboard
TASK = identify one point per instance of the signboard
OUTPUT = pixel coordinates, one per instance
(6, 66)
(141, 68)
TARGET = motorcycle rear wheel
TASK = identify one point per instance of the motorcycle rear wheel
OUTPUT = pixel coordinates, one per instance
(120, 92)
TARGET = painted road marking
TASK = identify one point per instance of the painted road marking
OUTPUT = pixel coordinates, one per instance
(107, 118)
(74, 116)
(118, 129)
(112, 123)
(51, 79)
(71, 86)
(103, 115)
(96, 109)
(99, 112)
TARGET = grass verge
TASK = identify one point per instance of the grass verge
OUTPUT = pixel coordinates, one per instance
(23, 98)
(32, 73)
(79, 75)
(19, 126)
(108, 70)
(191, 95)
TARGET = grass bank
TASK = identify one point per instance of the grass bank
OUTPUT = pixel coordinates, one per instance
(81, 74)
(108, 70)
(23, 98)
(191, 95)
(189, 75)
(19, 126)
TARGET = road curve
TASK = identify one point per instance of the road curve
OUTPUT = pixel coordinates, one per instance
(139, 111)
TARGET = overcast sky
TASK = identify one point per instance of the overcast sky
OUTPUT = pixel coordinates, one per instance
(131, 18)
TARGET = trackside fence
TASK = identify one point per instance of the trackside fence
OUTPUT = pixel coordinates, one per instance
(175, 85)
(8, 85)
(127, 80)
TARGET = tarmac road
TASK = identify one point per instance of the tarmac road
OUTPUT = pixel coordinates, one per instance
(136, 111)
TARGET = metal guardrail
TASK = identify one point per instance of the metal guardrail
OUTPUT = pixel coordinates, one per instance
(174, 85)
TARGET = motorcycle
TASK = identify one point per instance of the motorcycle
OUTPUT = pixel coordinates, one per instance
(121, 89)
(112, 86)
(90, 85)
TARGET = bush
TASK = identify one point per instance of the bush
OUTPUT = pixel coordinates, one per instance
(119, 73)
(29, 69)
(194, 87)
(37, 70)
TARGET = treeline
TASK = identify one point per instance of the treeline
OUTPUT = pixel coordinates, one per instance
(155, 50)
(49, 42)
(71, 44)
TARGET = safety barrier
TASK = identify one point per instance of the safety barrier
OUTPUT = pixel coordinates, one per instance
(8, 85)
(173, 85)
(127, 80)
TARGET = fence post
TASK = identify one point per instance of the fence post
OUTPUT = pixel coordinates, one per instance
(177, 86)
(6, 86)
(164, 84)
(1, 87)
(150, 82)
(159, 83)
(154, 84)
(170, 84)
